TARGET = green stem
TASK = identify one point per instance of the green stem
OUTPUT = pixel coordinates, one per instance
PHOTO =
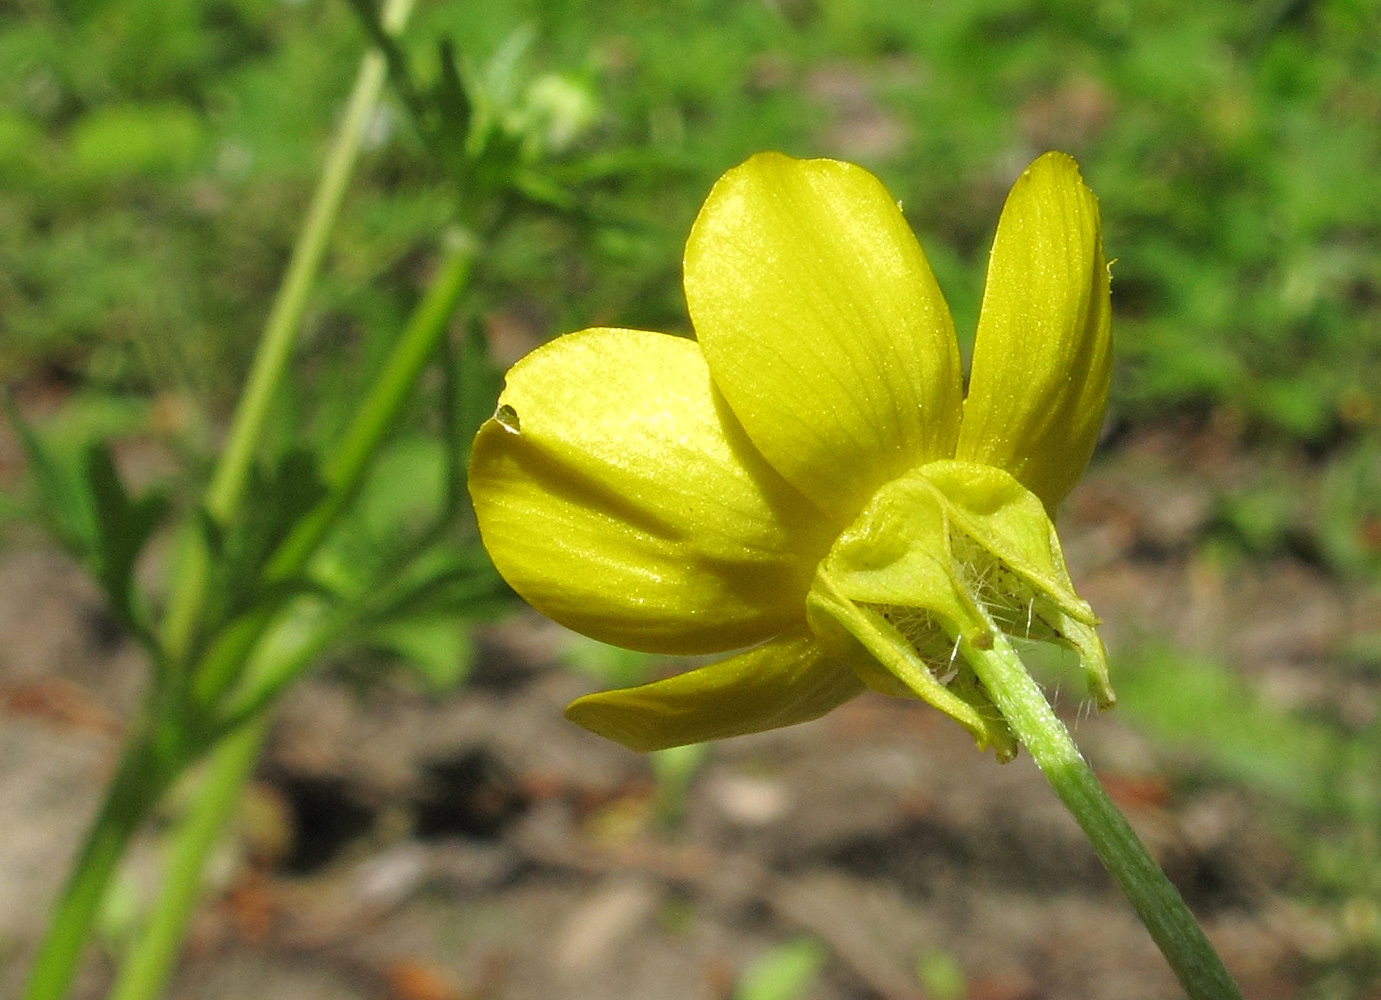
(226, 489)
(151, 960)
(140, 781)
(132, 793)
(285, 317)
(390, 392)
(1156, 901)
(146, 967)
(220, 668)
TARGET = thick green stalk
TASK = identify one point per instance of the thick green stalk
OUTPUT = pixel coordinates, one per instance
(148, 964)
(130, 796)
(1156, 901)
(285, 317)
(345, 468)
(224, 494)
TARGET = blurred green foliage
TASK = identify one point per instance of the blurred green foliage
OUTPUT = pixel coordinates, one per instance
(155, 158)
(941, 975)
(1320, 772)
(787, 972)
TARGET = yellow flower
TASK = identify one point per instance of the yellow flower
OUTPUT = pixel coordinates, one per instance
(806, 483)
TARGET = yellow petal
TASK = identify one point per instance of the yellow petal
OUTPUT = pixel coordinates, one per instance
(1042, 357)
(823, 326)
(616, 493)
(791, 679)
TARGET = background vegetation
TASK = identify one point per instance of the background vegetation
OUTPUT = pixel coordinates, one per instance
(155, 160)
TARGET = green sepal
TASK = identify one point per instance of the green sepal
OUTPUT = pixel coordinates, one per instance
(1087, 644)
(894, 666)
(994, 510)
(953, 550)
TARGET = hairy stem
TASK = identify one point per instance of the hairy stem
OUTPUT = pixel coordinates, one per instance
(1156, 901)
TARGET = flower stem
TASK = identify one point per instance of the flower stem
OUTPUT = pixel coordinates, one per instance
(151, 960)
(1156, 901)
(280, 332)
(147, 965)
(274, 351)
(130, 796)
(349, 460)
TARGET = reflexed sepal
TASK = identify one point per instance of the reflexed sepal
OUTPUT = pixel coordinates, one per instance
(903, 662)
(1088, 645)
(953, 550)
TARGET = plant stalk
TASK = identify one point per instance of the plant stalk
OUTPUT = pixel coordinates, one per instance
(1156, 901)
(131, 795)
(142, 778)
(150, 961)
(345, 468)
(226, 489)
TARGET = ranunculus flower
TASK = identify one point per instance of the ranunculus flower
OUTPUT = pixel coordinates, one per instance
(805, 486)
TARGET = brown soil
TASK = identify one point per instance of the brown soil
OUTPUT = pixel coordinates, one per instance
(479, 846)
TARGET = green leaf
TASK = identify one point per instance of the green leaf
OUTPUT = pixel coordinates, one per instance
(675, 769)
(438, 649)
(1202, 705)
(66, 499)
(447, 580)
(941, 975)
(123, 142)
(787, 972)
(123, 526)
(402, 496)
(404, 492)
(21, 147)
(1349, 520)
(452, 101)
(277, 497)
(91, 511)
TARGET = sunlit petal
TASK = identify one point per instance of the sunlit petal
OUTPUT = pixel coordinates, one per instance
(617, 494)
(1042, 357)
(788, 680)
(823, 326)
